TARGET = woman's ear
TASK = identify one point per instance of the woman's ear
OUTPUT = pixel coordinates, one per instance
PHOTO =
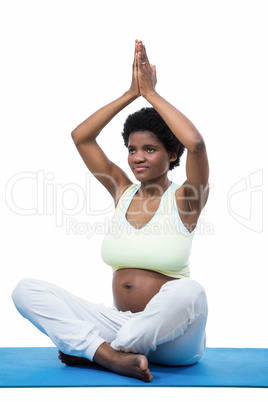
(173, 156)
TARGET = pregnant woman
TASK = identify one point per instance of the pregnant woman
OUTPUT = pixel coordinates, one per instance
(159, 313)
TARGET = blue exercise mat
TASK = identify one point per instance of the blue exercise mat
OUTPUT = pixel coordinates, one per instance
(219, 367)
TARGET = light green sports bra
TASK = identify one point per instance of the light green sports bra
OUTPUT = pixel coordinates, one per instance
(163, 245)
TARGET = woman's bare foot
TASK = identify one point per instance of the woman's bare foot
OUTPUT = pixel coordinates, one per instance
(128, 364)
(73, 360)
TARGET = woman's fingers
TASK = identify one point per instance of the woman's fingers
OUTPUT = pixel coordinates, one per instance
(135, 61)
(136, 48)
(154, 71)
(146, 72)
(143, 58)
(142, 54)
(135, 84)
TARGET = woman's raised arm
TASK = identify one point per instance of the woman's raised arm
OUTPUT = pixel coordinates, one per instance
(108, 173)
(195, 189)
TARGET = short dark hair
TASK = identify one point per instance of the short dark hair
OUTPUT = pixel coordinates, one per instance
(148, 119)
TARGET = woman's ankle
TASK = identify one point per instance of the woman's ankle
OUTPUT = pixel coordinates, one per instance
(105, 355)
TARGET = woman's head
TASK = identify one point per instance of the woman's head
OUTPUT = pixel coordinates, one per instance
(147, 119)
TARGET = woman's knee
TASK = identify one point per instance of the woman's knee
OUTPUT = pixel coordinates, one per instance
(20, 294)
(185, 294)
(196, 296)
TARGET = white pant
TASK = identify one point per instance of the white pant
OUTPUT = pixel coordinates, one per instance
(171, 329)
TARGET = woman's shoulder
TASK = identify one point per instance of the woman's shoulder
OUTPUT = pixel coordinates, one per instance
(125, 190)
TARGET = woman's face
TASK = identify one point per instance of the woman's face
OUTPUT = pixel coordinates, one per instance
(147, 156)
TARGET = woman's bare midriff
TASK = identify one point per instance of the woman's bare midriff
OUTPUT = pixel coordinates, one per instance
(134, 288)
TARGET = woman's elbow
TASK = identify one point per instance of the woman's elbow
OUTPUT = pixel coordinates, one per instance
(200, 145)
(197, 145)
(74, 136)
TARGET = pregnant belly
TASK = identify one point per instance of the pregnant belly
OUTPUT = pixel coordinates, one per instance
(134, 288)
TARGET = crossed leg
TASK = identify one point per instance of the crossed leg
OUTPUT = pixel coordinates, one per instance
(172, 324)
(80, 329)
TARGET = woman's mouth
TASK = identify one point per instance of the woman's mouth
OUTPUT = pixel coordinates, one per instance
(140, 168)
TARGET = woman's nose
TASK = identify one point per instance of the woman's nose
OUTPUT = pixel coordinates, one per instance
(138, 157)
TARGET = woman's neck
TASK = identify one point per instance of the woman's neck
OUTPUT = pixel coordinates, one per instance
(155, 188)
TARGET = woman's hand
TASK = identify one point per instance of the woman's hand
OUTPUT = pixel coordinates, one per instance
(134, 88)
(146, 72)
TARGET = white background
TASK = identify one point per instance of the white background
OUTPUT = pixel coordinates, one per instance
(61, 61)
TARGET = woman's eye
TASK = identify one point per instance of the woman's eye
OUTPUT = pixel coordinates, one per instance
(149, 150)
